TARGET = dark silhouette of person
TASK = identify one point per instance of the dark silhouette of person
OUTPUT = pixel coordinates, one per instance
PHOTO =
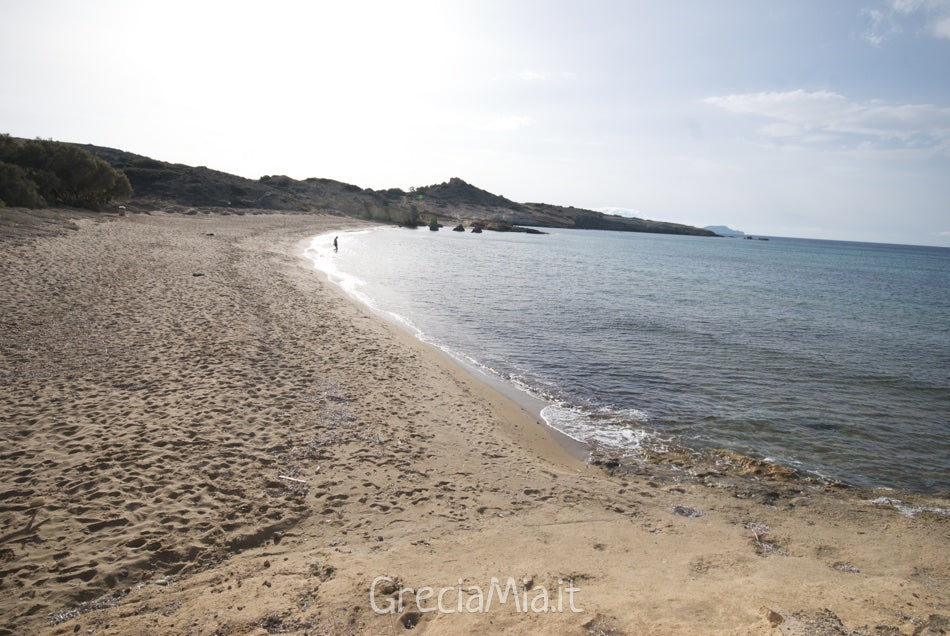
(336, 247)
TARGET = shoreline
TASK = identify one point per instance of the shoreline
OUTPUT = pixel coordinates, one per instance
(649, 449)
(492, 390)
(203, 436)
(577, 449)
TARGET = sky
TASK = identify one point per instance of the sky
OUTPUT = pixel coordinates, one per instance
(807, 118)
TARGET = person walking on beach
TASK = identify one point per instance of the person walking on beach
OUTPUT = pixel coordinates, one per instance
(336, 248)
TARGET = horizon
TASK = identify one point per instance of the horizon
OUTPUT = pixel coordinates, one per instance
(608, 211)
(799, 120)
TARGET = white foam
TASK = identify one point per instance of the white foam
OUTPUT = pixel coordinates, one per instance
(907, 510)
(603, 427)
(322, 254)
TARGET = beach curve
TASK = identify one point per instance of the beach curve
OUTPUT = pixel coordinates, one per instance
(202, 435)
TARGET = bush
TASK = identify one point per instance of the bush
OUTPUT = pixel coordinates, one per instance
(16, 188)
(59, 173)
(153, 164)
(148, 176)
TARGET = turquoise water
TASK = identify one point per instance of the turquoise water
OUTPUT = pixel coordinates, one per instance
(830, 357)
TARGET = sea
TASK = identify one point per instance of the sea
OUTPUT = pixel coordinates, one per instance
(829, 357)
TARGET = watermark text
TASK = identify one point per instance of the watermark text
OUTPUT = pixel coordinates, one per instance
(387, 596)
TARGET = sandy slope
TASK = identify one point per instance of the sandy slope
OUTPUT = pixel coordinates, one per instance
(247, 451)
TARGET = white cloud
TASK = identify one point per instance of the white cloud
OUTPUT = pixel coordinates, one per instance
(941, 27)
(780, 130)
(911, 6)
(879, 27)
(888, 20)
(801, 115)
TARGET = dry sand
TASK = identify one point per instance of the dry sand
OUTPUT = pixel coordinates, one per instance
(246, 450)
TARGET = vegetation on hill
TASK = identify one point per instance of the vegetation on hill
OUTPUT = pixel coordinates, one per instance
(451, 202)
(201, 187)
(39, 173)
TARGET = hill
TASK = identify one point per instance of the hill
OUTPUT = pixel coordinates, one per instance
(451, 202)
(723, 230)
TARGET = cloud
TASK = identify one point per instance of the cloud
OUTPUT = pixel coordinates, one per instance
(889, 19)
(507, 123)
(821, 116)
(913, 6)
(879, 28)
(941, 27)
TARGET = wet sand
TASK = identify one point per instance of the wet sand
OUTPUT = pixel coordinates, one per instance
(199, 434)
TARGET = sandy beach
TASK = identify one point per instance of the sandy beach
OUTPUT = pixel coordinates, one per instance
(199, 434)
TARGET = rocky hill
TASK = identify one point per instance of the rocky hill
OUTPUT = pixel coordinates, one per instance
(451, 202)
(723, 230)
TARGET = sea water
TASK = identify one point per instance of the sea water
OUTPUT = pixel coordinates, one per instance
(830, 357)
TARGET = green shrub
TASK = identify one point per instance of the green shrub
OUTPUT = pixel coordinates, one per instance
(17, 189)
(148, 176)
(153, 164)
(59, 173)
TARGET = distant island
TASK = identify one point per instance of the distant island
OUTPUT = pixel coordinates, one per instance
(191, 190)
(722, 230)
